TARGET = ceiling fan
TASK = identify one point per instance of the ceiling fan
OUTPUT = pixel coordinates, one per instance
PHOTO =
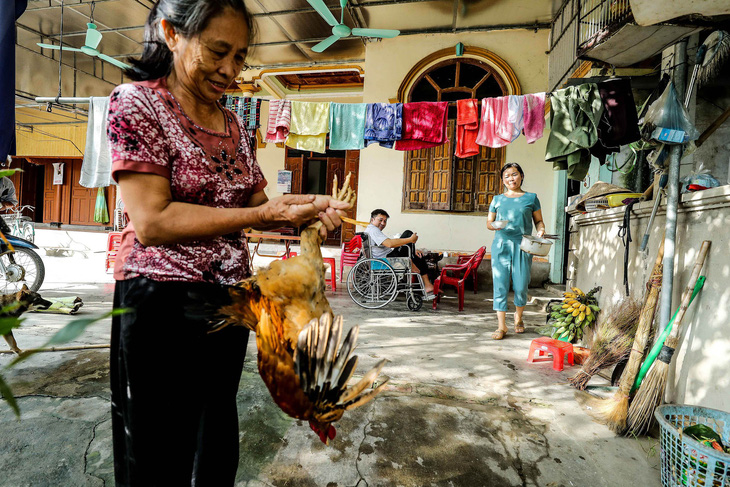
(340, 30)
(93, 38)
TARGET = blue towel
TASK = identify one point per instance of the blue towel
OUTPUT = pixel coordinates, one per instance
(383, 123)
(347, 126)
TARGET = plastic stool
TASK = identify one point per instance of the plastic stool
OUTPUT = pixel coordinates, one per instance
(333, 273)
(557, 348)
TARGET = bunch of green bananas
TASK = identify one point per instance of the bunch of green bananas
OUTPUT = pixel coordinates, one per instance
(574, 313)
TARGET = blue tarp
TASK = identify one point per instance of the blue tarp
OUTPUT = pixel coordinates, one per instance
(10, 11)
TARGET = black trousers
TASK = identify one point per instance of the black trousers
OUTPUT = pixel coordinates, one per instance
(401, 251)
(173, 389)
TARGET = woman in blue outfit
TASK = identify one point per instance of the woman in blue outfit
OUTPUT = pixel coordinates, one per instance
(520, 209)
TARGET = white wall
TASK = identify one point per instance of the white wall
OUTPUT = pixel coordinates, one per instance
(698, 374)
(381, 170)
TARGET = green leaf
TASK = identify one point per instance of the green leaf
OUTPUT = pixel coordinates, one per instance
(6, 173)
(70, 332)
(9, 308)
(8, 396)
(74, 328)
(7, 323)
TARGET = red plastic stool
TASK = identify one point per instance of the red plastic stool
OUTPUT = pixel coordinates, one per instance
(558, 349)
(333, 274)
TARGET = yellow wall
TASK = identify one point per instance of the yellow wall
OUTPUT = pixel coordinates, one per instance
(48, 140)
(381, 170)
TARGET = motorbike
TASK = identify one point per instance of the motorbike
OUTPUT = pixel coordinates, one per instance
(19, 264)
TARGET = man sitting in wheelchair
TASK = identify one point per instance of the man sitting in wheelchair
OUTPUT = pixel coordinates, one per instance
(383, 246)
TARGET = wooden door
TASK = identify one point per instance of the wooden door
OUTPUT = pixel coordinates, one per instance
(83, 200)
(352, 165)
(297, 166)
(57, 197)
(335, 167)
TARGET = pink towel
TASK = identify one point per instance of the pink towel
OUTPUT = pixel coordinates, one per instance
(467, 127)
(279, 121)
(424, 125)
(495, 129)
(534, 116)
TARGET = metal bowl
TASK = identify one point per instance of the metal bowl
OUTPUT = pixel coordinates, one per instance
(500, 224)
(535, 245)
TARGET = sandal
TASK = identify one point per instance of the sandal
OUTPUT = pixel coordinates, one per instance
(520, 327)
(499, 334)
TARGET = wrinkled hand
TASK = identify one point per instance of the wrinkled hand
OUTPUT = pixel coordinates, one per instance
(419, 253)
(304, 209)
(541, 232)
(414, 238)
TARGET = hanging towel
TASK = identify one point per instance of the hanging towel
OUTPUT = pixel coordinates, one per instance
(533, 109)
(277, 128)
(424, 125)
(347, 126)
(495, 129)
(515, 114)
(309, 126)
(574, 118)
(467, 127)
(96, 168)
(383, 123)
(619, 124)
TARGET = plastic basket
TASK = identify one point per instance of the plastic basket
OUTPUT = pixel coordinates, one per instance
(684, 460)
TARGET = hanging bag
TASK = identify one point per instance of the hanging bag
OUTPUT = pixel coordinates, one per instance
(667, 121)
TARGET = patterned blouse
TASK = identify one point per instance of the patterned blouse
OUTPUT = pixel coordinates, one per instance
(149, 133)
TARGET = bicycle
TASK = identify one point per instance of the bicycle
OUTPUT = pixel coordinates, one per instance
(20, 225)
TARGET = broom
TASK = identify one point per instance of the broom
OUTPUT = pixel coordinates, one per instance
(651, 392)
(614, 410)
(614, 334)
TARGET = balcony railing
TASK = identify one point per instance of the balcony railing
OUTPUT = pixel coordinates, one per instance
(577, 27)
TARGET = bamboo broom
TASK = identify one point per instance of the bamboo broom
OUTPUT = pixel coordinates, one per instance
(614, 410)
(651, 392)
(612, 340)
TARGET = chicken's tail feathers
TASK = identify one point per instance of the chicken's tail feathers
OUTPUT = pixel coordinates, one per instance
(325, 366)
(239, 307)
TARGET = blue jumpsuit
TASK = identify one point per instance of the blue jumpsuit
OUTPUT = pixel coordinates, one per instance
(507, 258)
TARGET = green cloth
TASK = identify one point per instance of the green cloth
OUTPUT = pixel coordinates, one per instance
(67, 305)
(574, 116)
(101, 213)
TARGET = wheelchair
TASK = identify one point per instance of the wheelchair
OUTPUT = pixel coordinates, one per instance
(374, 283)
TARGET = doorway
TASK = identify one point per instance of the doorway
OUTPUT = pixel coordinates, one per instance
(314, 173)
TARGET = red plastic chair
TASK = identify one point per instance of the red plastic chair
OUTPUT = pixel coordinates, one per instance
(465, 258)
(350, 253)
(114, 240)
(460, 274)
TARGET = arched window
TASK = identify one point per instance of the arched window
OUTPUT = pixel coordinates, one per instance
(435, 179)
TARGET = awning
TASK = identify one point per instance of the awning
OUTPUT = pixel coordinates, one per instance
(10, 11)
(650, 12)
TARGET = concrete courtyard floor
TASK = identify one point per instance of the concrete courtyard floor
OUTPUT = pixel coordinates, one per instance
(461, 410)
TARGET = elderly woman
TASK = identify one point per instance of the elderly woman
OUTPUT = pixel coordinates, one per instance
(190, 183)
(521, 210)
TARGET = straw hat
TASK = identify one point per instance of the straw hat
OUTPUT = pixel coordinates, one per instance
(599, 189)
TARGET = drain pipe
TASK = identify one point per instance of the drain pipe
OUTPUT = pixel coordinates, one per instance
(675, 154)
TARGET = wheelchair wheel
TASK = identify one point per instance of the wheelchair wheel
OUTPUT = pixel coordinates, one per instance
(414, 301)
(372, 284)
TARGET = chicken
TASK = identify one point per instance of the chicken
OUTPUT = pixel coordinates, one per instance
(300, 357)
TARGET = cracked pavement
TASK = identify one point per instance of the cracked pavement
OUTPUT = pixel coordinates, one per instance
(461, 410)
